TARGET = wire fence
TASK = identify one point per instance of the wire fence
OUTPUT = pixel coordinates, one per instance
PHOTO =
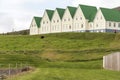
(8, 70)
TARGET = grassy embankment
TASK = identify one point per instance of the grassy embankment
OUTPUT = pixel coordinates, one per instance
(65, 56)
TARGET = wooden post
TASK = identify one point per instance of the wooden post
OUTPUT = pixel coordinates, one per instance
(21, 66)
(9, 69)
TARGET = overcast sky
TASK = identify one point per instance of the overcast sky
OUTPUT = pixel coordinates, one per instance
(17, 14)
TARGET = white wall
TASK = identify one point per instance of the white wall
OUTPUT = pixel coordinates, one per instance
(45, 24)
(33, 28)
(91, 26)
(79, 21)
(99, 22)
(67, 22)
(113, 25)
(56, 24)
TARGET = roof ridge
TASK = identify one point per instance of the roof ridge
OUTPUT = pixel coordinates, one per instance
(49, 10)
(59, 8)
(37, 17)
(72, 6)
(86, 5)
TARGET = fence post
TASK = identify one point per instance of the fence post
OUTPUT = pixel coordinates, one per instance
(21, 67)
(16, 68)
(9, 70)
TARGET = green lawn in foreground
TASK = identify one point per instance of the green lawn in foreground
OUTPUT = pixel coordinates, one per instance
(69, 74)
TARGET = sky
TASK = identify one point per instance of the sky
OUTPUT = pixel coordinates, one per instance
(17, 14)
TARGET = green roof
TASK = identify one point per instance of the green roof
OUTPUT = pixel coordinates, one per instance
(38, 21)
(89, 12)
(50, 13)
(60, 12)
(72, 10)
(111, 14)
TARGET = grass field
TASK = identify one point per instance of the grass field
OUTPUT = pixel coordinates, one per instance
(64, 56)
(70, 74)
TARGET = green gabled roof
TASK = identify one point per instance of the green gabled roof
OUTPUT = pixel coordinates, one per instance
(72, 10)
(50, 13)
(60, 12)
(111, 14)
(38, 21)
(89, 12)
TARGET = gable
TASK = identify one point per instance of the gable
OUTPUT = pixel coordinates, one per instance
(79, 13)
(50, 14)
(111, 14)
(72, 10)
(88, 11)
(38, 21)
(60, 12)
(99, 16)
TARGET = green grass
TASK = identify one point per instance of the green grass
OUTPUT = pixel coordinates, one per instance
(62, 56)
(62, 41)
(70, 74)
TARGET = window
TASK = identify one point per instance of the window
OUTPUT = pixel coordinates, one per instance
(76, 18)
(80, 18)
(96, 25)
(101, 17)
(109, 24)
(119, 25)
(69, 26)
(64, 19)
(32, 25)
(43, 22)
(68, 19)
(54, 21)
(57, 20)
(81, 25)
(91, 25)
(114, 25)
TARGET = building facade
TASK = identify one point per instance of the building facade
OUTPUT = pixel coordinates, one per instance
(107, 20)
(35, 25)
(46, 22)
(56, 21)
(83, 18)
(67, 20)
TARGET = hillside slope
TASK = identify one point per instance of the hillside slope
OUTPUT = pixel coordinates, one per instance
(68, 47)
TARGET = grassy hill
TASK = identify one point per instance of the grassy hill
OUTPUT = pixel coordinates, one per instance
(65, 51)
(71, 47)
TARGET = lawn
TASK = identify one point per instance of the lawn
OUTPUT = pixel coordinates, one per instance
(61, 56)
(69, 74)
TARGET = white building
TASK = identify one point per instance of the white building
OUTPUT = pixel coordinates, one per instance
(56, 21)
(81, 19)
(46, 22)
(35, 25)
(83, 16)
(107, 20)
(67, 20)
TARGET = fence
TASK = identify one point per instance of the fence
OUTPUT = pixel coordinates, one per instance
(8, 70)
(112, 61)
